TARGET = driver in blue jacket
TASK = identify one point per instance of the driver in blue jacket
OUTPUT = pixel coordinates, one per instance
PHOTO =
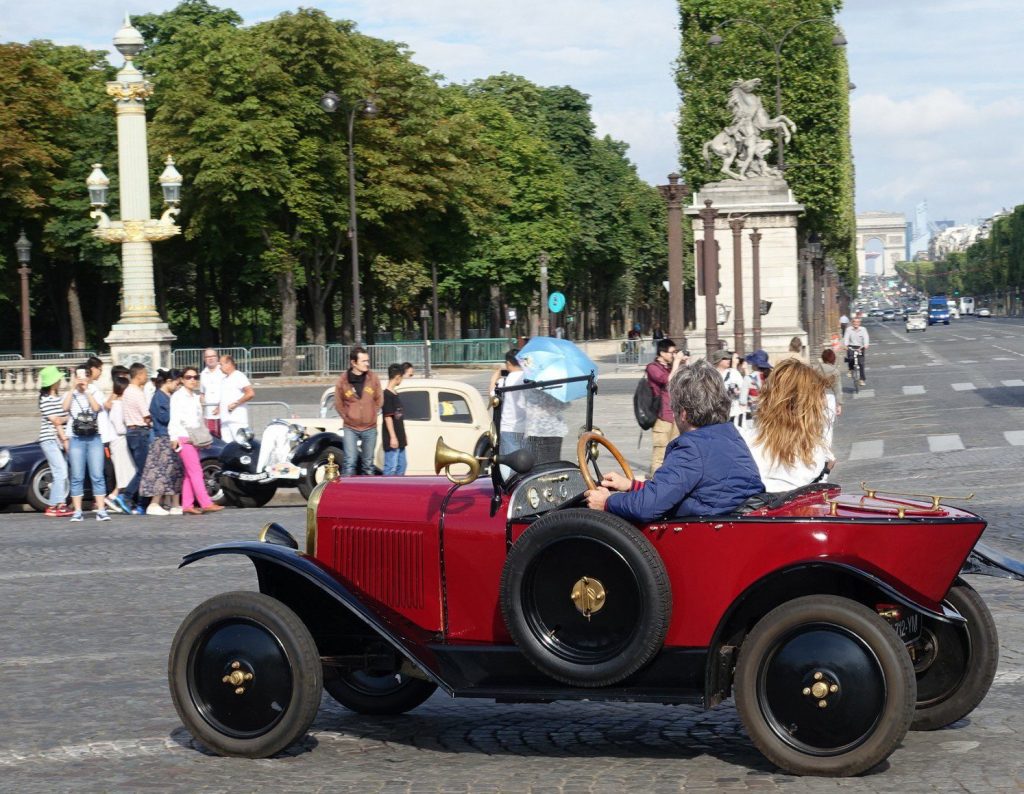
(708, 469)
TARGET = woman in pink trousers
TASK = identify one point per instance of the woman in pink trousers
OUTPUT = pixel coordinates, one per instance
(187, 412)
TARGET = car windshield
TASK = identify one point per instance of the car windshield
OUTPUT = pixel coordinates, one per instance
(550, 426)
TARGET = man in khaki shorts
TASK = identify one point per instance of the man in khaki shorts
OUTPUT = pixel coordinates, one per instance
(667, 360)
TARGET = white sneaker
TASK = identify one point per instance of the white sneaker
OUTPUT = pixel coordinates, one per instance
(175, 511)
(155, 509)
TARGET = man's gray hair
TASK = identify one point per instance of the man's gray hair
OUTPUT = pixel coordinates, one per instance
(700, 391)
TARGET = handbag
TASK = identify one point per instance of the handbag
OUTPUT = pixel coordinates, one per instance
(199, 436)
(85, 423)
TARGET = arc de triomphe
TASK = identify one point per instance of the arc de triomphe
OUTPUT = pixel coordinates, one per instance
(890, 229)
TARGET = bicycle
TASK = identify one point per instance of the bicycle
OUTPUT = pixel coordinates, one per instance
(853, 353)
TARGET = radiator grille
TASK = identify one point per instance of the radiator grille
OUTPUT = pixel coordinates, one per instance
(386, 564)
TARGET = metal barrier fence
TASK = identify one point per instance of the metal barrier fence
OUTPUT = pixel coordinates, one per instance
(262, 413)
(633, 352)
(326, 359)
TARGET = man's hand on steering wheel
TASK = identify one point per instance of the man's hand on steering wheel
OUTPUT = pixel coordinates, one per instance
(614, 481)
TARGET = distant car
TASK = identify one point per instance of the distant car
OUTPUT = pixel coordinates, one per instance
(984, 313)
(25, 476)
(888, 314)
(875, 313)
(432, 408)
(917, 322)
(954, 313)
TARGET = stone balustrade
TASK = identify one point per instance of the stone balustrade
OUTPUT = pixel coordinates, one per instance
(22, 377)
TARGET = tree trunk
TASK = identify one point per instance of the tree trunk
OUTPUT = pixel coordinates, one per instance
(289, 303)
(203, 304)
(75, 316)
(495, 312)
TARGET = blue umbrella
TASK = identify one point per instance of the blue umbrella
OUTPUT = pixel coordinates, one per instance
(549, 358)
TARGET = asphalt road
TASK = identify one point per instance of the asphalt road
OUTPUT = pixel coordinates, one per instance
(90, 609)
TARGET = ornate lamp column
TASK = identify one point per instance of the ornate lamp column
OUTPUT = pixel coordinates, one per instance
(24, 249)
(673, 195)
(736, 224)
(709, 260)
(140, 334)
(755, 258)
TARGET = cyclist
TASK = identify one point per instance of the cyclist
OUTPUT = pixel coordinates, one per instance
(856, 338)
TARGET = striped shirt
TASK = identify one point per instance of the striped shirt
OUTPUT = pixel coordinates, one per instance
(135, 406)
(49, 405)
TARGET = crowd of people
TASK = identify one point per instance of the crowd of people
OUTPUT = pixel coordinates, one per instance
(150, 428)
(730, 429)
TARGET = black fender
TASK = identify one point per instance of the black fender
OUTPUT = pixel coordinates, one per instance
(232, 453)
(986, 561)
(288, 574)
(314, 445)
(830, 577)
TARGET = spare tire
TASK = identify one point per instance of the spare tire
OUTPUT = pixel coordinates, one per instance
(586, 597)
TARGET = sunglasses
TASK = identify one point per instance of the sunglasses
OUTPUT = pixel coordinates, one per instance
(191, 377)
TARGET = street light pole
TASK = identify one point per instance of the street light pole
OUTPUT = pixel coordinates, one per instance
(673, 195)
(715, 40)
(329, 103)
(544, 329)
(24, 250)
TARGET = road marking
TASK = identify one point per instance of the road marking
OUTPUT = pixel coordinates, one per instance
(967, 361)
(945, 443)
(1007, 350)
(864, 394)
(11, 577)
(962, 386)
(1014, 437)
(897, 366)
(866, 450)
(1002, 358)
(907, 390)
(1014, 382)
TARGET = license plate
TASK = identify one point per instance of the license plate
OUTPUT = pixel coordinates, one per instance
(908, 627)
(252, 477)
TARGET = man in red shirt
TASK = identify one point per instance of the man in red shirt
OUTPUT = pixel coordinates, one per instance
(666, 361)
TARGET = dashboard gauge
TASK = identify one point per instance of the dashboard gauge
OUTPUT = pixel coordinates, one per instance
(563, 491)
(549, 495)
(533, 497)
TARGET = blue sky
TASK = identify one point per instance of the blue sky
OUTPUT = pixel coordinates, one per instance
(937, 113)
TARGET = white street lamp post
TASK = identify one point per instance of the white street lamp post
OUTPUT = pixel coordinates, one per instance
(140, 334)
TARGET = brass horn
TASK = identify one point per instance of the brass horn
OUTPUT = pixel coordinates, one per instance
(445, 456)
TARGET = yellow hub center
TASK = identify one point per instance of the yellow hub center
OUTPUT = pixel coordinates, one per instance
(588, 595)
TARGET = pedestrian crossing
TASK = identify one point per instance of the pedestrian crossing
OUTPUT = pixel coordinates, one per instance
(917, 390)
(875, 448)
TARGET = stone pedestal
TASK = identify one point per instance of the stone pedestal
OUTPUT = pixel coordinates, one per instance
(766, 204)
(148, 343)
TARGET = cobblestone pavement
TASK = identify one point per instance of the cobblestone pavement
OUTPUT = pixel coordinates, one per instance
(90, 609)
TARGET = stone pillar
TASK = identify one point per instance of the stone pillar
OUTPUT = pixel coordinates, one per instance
(736, 224)
(768, 206)
(673, 194)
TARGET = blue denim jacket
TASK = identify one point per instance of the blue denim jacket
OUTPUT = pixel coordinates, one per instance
(160, 411)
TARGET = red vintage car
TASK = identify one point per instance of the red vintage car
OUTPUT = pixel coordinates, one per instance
(836, 621)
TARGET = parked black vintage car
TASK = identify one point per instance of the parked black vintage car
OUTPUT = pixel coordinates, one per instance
(25, 475)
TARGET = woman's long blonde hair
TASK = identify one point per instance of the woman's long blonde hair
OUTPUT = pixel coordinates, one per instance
(791, 416)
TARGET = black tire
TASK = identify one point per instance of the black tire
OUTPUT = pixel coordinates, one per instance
(850, 647)
(212, 470)
(557, 552)
(247, 633)
(956, 663)
(366, 693)
(38, 493)
(315, 469)
(237, 494)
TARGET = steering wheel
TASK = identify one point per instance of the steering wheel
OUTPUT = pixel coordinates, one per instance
(582, 455)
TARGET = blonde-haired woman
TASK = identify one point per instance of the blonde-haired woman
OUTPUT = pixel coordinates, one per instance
(788, 441)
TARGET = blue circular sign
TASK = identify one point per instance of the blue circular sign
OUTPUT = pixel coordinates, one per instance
(556, 302)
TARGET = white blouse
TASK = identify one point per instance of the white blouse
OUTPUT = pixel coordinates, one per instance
(186, 411)
(778, 478)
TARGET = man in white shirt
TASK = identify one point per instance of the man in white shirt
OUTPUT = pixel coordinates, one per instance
(210, 380)
(733, 385)
(856, 336)
(235, 391)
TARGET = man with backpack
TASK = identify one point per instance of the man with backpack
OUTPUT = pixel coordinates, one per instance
(666, 361)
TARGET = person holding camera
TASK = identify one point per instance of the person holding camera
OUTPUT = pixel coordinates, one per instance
(733, 385)
(666, 361)
(86, 452)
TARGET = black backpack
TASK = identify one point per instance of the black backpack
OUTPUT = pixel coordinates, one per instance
(646, 404)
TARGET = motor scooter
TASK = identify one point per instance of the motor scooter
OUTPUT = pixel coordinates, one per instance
(286, 456)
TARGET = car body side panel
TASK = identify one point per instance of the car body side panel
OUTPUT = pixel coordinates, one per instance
(386, 541)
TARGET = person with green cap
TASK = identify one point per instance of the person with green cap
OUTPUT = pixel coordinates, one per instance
(53, 440)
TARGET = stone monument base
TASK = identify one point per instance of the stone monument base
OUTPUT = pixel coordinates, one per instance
(766, 204)
(148, 343)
